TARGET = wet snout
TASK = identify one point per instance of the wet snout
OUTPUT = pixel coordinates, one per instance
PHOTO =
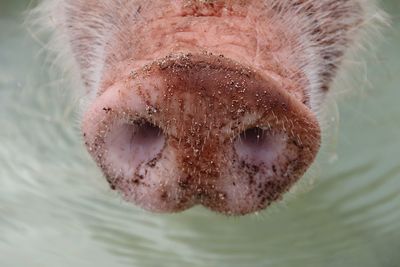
(200, 129)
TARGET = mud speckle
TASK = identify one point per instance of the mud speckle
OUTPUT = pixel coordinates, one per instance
(107, 109)
(204, 102)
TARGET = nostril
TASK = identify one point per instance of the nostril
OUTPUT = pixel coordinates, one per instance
(128, 145)
(254, 137)
(257, 145)
(145, 133)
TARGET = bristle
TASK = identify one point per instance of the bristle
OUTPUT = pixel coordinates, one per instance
(329, 31)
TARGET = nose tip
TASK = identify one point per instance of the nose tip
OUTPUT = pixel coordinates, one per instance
(173, 132)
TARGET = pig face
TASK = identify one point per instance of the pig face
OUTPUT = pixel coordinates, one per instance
(205, 102)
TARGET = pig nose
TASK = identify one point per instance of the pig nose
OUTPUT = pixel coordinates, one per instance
(200, 129)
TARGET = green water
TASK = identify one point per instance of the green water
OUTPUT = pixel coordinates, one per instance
(56, 210)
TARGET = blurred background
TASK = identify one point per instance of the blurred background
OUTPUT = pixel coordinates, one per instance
(56, 210)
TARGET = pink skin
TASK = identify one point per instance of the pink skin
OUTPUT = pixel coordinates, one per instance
(202, 103)
(191, 129)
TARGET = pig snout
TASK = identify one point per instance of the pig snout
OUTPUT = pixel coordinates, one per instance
(205, 102)
(198, 128)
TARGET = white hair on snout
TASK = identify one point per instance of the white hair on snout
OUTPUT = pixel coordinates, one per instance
(79, 37)
(47, 23)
